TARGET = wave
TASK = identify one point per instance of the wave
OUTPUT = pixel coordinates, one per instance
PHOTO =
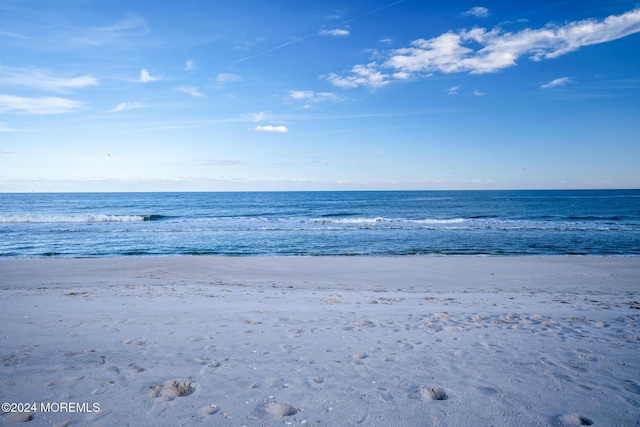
(381, 220)
(83, 218)
(341, 221)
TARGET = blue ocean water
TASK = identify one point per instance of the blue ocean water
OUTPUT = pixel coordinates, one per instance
(589, 222)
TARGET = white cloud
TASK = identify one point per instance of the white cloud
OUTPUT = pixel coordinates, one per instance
(124, 106)
(335, 33)
(478, 12)
(258, 117)
(274, 129)
(191, 90)
(478, 93)
(145, 77)
(387, 41)
(480, 50)
(43, 79)
(453, 90)
(228, 78)
(361, 75)
(47, 105)
(556, 82)
(311, 96)
(190, 65)
(301, 94)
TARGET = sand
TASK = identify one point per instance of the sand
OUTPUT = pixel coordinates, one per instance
(398, 341)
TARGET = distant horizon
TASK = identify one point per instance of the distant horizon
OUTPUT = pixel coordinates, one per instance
(324, 191)
(318, 95)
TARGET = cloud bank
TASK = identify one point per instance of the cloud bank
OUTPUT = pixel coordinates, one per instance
(479, 50)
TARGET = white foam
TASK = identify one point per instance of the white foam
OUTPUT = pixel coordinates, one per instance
(69, 218)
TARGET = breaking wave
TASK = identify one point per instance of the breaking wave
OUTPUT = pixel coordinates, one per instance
(83, 218)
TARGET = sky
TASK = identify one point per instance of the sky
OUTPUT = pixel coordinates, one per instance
(247, 95)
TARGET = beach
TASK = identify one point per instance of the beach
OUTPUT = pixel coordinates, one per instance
(334, 341)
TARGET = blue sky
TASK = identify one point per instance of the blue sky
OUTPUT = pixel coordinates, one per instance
(318, 95)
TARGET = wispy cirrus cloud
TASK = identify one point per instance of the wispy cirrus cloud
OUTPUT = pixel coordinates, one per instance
(13, 35)
(58, 33)
(191, 90)
(222, 78)
(479, 50)
(312, 96)
(556, 82)
(5, 128)
(43, 79)
(130, 25)
(125, 106)
(271, 129)
(46, 105)
(256, 117)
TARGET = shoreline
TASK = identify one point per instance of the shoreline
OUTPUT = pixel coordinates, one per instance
(22, 270)
(420, 340)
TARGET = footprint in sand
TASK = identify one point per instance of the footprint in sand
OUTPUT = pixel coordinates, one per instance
(279, 409)
(359, 357)
(21, 417)
(172, 389)
(77, 353)
(207, 365)
(487, 391)
(427, 394)
(135, 367)
(135, 341)
(631, 386)
(102, 388)
(210, 409)
(571, 420)
(112, 369)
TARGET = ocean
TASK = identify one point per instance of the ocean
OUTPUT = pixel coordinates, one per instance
(353, 223)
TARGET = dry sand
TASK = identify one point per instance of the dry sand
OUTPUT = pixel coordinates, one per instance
(405, 341)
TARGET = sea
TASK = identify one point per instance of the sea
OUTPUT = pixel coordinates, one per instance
(341, 223)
